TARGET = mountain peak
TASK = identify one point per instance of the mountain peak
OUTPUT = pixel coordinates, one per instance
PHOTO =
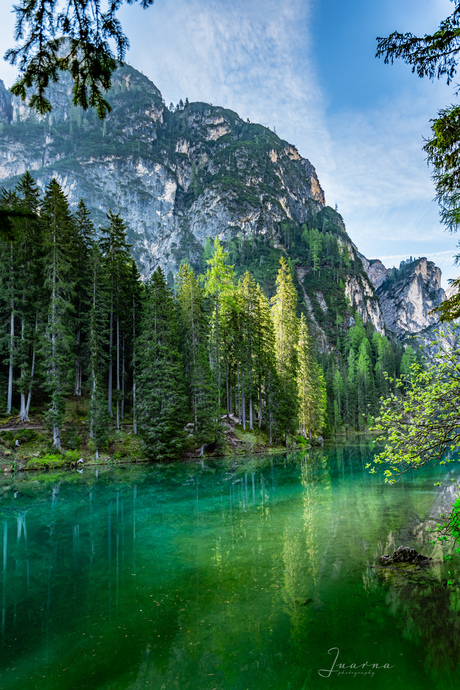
(407, 294)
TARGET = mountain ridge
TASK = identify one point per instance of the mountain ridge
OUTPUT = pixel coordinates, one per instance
(182, 177)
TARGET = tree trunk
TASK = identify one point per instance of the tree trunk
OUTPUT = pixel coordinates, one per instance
(110, 361)
(250, 414)
(134, 370)
(9, 402)
(243, 404)
(118, 372)
(54, 409)
(23, 412)
(32, 371)
(77, 386)
(123, 382)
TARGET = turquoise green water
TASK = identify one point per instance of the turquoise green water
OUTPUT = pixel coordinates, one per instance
(241, 575)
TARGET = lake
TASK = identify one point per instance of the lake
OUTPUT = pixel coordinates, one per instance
(245, 574)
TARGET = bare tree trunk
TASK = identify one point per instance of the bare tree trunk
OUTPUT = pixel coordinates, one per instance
(134, 370)
(134, 402)
(9, 402)
(250, 414)
(218, 360)
(123, 382)
(110, 361)
(243, 401)
(118, 372)
(239, 393)
(260, 407)
(77, 387)
(32, 371)
(54, 410)
(23, 412)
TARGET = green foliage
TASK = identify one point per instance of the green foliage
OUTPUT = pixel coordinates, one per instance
(162, 400)
(450, 528)
(74, 37)
(48, 461)
(436, 56)
(193, 329)
(80, 326)
(422, 424)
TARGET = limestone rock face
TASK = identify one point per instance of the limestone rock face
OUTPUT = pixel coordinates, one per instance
(375, 270)
(361, 294)
(180, 177)
(407, 295)
(176, 178)
(6, 108)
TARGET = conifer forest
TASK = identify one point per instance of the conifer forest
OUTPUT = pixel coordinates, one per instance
(170, 360)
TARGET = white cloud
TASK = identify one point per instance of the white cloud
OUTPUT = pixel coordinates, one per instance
(251, 57)
(256, 57)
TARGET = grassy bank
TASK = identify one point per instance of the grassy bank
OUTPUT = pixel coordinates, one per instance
(29, 446)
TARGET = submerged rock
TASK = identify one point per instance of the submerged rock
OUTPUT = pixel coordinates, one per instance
(404, 554)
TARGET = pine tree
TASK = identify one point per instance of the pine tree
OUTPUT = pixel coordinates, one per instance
(98, 413)
(59, 283)
(134, 297)
(264, 351)
(351, 410)
(84, 240)
(338, 391)
(247, 300)
(193, 329)
(286, 326)
(115, 251)
(162, 401)
(219, 286)
(30, 280)
(364, 382)
(10, 291)
(409, 358)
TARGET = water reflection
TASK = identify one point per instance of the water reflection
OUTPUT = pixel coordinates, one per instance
(239, 574)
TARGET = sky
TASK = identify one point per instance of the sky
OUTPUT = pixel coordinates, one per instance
(307, 69)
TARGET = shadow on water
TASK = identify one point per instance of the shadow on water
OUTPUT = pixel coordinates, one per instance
(241, 573)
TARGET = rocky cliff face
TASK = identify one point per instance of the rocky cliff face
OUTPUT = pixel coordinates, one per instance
(408, 295)
(180, 177)
(175, 177)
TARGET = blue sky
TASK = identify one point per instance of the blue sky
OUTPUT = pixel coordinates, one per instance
(307, 68)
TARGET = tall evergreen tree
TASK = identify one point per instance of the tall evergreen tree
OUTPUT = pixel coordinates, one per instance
(311, 385)
(58, 232)
(201, 386)
(115, 251)
(162, 401)
(98, 413)
(219, 286)
(286, 325)
(30, 278)
(84, 240)
(10, 291)
(264, 351)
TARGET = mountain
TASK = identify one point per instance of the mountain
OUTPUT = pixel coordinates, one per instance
(408, 295)
(181, 176)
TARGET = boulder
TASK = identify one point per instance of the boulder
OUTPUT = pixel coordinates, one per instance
(404, 554)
